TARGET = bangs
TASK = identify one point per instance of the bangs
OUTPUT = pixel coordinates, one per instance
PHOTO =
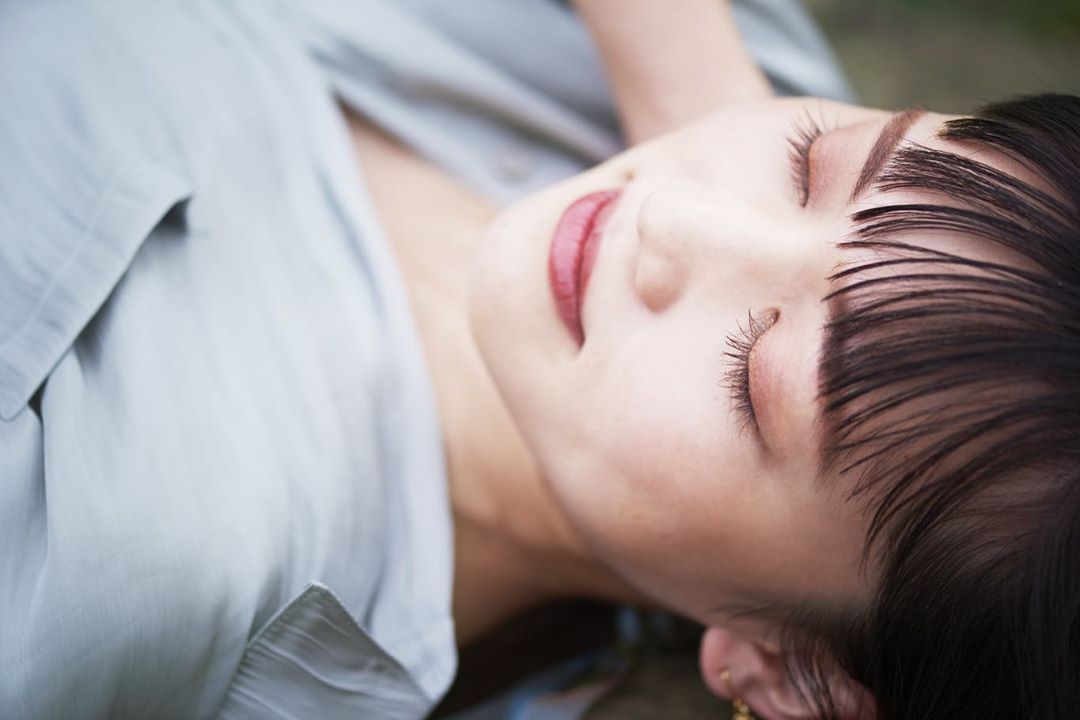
(950, 386)
(939, 375)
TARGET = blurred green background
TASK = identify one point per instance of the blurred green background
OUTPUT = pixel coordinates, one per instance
(952, 55)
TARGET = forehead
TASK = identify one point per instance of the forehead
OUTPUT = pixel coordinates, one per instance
(929, 285)
(902, 275)
(928, 134)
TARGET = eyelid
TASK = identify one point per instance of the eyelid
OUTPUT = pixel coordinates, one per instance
(805, 131)
(772, 316)
(743, 346)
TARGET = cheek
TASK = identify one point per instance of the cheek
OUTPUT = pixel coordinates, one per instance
(682, 503)
(806, 547)
(662, 462)
(662, 412)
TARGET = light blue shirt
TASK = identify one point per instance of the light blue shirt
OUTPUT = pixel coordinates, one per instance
(222, 489)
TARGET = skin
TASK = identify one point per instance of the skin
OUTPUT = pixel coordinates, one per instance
(622, 469)
(635, 433)
(689, 63)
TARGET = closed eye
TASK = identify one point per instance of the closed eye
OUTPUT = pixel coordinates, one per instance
(737, 378)
(804, 132)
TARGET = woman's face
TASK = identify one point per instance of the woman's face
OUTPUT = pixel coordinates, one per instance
(642, 430)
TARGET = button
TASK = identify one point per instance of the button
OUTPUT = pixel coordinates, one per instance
(515, 164)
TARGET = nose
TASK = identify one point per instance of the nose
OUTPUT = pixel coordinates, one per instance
(689, 237)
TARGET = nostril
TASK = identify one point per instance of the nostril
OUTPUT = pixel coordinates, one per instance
(661, 261)
(657, 279)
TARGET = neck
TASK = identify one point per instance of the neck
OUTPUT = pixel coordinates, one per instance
(514, 548)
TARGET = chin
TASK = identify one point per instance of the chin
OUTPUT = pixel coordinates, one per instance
(510, 312)
(491, 280)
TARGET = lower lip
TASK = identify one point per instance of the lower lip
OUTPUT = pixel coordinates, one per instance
(573, 253)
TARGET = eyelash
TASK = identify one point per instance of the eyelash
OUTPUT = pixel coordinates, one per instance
(804, 132)
(737, 377)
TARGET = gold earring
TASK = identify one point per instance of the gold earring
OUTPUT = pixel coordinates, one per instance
(740, 710)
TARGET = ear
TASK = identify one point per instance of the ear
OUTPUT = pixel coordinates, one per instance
(756, 673)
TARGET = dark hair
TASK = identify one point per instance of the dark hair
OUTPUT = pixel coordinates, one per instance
(951, 388)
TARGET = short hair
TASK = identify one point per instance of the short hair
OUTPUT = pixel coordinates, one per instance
(951, 391)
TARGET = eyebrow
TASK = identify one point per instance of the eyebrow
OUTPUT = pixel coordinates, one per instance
(883, 148)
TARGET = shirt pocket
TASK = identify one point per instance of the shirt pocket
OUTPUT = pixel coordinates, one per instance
(60, 261)
(313, 660)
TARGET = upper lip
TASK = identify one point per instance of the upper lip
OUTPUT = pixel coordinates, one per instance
(593, 243)
(575, 243)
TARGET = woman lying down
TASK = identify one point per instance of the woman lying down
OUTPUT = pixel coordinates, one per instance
(333, 335)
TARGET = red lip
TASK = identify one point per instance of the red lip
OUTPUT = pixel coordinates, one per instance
(573, 253)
